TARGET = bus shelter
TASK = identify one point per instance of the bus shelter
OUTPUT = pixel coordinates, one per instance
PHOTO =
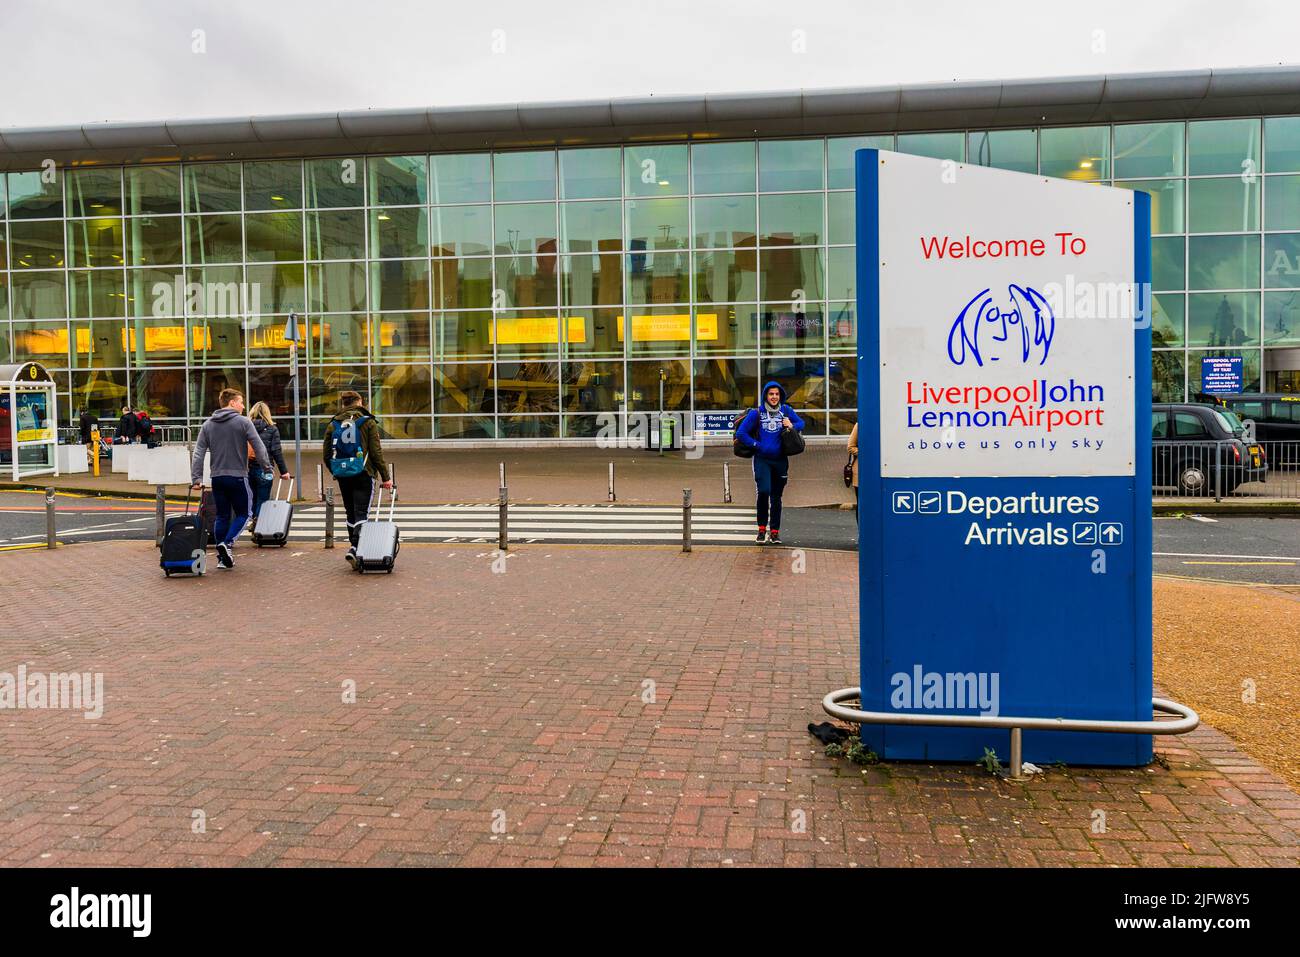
(28, 420)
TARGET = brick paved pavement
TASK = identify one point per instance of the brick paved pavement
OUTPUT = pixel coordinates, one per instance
(516, 699)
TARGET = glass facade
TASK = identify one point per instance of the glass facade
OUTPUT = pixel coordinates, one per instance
(524, 294)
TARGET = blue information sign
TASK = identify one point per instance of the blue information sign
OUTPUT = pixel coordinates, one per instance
(1221, 375)
(1005, 519)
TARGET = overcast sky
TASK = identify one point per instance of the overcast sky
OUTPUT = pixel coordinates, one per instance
(79, 61)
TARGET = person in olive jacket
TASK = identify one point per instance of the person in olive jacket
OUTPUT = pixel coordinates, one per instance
(356, 490)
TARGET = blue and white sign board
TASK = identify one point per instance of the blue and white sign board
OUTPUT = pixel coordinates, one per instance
(1221, 375)
(714, 424)
(1004, 381)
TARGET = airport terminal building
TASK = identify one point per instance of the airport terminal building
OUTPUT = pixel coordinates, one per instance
(526, 272)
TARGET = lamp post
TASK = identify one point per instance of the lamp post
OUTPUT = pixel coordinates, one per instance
(292, 334)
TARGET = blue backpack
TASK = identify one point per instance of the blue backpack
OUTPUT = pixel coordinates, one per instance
(347, 451)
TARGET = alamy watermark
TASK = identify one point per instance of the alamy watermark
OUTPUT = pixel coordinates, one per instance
(946, 691)
(55, 690)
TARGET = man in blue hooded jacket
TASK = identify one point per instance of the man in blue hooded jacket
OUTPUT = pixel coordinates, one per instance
(761, 429)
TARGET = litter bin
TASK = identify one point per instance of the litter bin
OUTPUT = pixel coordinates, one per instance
(668, 437)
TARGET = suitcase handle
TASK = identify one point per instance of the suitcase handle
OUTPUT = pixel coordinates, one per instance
(378, 502)
(189, 490)
(276, 493)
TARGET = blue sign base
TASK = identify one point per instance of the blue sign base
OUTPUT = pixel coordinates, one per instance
(1034, 619)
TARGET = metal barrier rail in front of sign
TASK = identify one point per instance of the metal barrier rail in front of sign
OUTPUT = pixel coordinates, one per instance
(1187, 720)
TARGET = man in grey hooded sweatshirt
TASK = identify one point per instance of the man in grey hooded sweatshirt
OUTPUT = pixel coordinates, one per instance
(228, 435)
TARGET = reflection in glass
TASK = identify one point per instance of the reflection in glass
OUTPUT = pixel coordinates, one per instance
(1223, 319)
(723, 167)
(1146, 150)
(463, 178)
(1080, 153)
(785, 165)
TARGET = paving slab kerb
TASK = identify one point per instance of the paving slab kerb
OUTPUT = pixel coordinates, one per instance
(567, 475)
(587, 706)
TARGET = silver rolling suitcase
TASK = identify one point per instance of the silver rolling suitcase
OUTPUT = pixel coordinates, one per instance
(274, 519)
(379, 541)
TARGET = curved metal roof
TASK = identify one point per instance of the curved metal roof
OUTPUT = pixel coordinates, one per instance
(1248, 91)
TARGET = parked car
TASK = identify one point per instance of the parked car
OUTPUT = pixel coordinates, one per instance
(1276, 419)
(1199, 448)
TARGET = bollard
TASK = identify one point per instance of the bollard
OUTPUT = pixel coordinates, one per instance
(611, 481)
(726, 482)
(686, 520)
(320, 482)
(1016, 772)
(501, 482)
(94, 450)
(160, 513)
(49, 518)
(503, 535)
(329, 517)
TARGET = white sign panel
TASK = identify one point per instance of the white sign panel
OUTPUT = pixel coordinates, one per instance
(1006, 323)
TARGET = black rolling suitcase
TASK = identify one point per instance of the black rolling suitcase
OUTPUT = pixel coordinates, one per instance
(274, 519)
(185, 544)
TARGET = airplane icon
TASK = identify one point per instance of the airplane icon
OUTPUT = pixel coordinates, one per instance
(929, 503)
(905, 503)
(1085, 533)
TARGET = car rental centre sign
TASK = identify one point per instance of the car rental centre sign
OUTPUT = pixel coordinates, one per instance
(1005, 519)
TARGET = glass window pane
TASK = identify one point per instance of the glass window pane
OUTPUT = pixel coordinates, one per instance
(1282, 202)
(1147, 150)
(464, 387)
(1282, 144)
(591, 173)
(273, 185)
(842, 273)
(161, 391)
(1282, 260)
(336, 287)
(660, 275)
(660, 330)
(156, 240)
(650, 220)
(1167, 377)
(279, 288)
(1168, 314)
(398, 232)
(44, 342)
(1282, 319)
(98, 242)
(725, 221)
(591, 280)
(336, 182)
(402, 399)
(1166, 202)
(462, 283)
(644, 382)
(726, 275)
(95, 192)
(97, 293)
(785, 329)
(1223, 319)
(336, 234)
(726, 329)
(206, 386)
(1168, 269)
(948, 146)
(844, 383)
(840, 171)
(1223, 146)
(151, 292)
(790, 164)
(462, 230)
(593, 332)
(655, 170)
(1004, 149)
(1223, 262)
(527, 334)
(790, 275)
(523, 176)
(591, 386)
(1249, 368)
(462, 335)
(527, 281)
(101, 392)
(399, 285)
(726, 384)
(273, 237)
(153, 189)
(1079, 153)
(465, 427)
(31, 197)
(212, 188)
(36, 245)
(461, 178)
(525, 228)
(723, 167)
(842, 213)
(214, 239)
(397, 181)
(591, 226)
(401, 335)
(794, 219)
(842, 329)
(1222, 205)
(804, 381)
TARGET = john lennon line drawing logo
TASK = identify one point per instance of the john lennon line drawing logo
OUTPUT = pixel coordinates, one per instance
(984, 332)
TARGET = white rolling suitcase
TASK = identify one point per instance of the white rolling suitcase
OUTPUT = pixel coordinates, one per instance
(379, 541)
(274, 519)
